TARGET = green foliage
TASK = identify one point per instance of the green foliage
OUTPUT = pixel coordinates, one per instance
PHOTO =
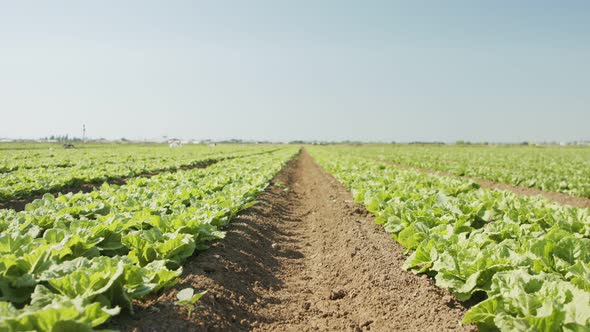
(187, 298)
(519, 301)
(559, 169)
(24, 173)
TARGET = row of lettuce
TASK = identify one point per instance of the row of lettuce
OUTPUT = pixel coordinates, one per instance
(37, 172)
(526, 260)
(558, 169)
(72, 261)
(19, 157)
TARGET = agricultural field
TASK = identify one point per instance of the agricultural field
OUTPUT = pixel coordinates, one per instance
(24, 175)
(288, 238)
(525, 260)
(558, 169)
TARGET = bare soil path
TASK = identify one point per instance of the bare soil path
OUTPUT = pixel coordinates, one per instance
(304, 259)
(561, 198)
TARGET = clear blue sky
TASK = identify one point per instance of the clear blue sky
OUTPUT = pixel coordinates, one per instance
(331, 70)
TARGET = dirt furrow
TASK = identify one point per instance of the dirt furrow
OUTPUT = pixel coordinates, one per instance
(561, 198)
(305, 258)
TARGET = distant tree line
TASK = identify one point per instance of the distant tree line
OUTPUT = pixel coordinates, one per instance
(62, 138)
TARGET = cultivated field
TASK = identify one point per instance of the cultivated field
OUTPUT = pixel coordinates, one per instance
(288, 238)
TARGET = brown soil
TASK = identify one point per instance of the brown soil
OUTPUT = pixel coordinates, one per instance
(304, 258)
(561, 198)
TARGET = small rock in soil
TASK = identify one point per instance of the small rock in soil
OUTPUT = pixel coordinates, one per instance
(448, 300)
(275, 246)
(338, 294)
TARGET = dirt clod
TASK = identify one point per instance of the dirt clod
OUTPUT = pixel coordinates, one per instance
(337, 294)
(366, 323)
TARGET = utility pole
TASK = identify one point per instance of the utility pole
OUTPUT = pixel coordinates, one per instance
(84, 133)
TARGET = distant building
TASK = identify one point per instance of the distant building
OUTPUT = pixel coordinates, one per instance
(174, 143)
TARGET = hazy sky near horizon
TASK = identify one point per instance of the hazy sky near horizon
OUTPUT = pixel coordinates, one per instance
(499, 70)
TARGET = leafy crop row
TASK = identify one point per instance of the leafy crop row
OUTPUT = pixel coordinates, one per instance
(72, 261)
(96, 166)
(90, 155)
(558, 169)
(529, 257)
